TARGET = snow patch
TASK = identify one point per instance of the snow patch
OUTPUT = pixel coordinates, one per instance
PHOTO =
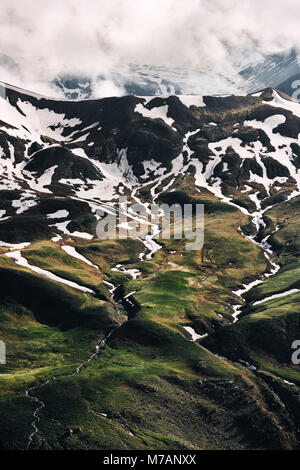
(20, 260)
(155, 113)
(193, 333)
(61, 214)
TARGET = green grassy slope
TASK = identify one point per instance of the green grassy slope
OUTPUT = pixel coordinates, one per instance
(264, 335)
(151, 387)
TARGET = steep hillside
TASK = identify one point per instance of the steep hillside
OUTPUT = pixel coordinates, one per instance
(140, 343)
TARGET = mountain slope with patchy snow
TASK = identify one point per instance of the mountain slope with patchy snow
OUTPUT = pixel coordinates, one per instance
(112, 325)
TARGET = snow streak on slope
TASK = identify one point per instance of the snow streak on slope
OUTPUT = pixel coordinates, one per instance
(20, 260)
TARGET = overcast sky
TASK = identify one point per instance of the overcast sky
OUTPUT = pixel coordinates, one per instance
(92, 37)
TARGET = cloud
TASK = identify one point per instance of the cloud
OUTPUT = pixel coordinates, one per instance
(97, 37)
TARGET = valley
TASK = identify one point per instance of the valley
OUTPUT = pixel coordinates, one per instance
(140, 343)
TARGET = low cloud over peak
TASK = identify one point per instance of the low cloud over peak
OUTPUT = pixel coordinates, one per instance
(44, 40)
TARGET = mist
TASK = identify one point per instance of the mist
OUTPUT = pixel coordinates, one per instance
(44, 40)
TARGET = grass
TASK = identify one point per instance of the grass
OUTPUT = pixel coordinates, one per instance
(157, 389)
(264, 337)
(51, 257)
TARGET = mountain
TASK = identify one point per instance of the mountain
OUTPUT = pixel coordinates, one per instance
(138, 343)
(276, 70)
(246, 75)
